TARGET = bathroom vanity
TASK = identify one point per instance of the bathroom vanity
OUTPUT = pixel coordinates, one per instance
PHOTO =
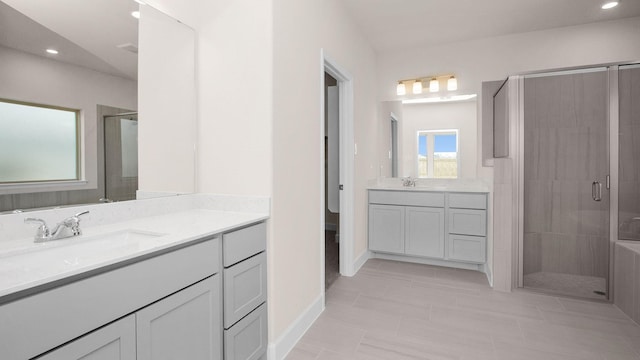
(447, 228)
(188, 285)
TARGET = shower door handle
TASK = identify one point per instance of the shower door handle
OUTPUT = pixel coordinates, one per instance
(596, 191)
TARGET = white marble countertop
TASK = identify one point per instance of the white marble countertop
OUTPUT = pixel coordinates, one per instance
(395, 184)
(19, 272)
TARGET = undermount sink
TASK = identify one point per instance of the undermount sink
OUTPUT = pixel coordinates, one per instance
(59, 255)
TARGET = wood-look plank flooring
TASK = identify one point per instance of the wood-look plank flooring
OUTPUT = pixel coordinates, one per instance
(393, 310)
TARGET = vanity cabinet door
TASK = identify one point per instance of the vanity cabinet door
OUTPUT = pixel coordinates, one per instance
(185, 325)
(386, 228)
(116, 341)
(424, 232)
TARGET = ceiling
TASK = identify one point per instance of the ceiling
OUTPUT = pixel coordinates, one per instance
(403, 24)
(87, 33)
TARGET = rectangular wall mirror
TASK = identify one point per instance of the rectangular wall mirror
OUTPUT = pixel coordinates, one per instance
(86, 57)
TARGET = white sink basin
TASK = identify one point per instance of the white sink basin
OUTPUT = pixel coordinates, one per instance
(59, 255)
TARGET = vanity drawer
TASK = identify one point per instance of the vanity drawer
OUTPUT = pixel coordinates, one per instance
(468, 201)
(245, 288)
(247, 340)
(468, 222)
(465, 248)
(407, 198)
(241, 244)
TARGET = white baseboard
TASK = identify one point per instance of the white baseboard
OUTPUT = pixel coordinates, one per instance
(366, 255)
(427, 261)
(279, 349)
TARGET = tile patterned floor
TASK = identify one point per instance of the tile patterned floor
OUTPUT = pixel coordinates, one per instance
(392, 310)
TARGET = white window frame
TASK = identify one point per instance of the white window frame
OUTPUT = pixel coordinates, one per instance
(430, 150)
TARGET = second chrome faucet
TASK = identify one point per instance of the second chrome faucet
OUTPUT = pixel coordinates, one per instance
(66, 228)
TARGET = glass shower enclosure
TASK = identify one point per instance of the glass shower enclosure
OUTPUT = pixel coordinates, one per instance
(566, 204)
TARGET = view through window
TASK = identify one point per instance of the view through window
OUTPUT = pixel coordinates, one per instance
(438, 154)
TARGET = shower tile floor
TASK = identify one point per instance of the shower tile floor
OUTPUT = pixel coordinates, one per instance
(399, 311)
(567, 284)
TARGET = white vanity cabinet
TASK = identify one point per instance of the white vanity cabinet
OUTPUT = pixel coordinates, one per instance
(467, 230)
(245, 293)
(443, 226)
(403, 224)
(185, 325)
(116, 341)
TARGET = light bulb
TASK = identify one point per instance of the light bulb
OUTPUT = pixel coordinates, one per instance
(452, 84)
(434, 85)
(609, 5)
(52, 51)
(401, 89)
(417, 87)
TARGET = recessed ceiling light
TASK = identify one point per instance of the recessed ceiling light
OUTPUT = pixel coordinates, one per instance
(610, 5)
(52, 51)
(135, 14)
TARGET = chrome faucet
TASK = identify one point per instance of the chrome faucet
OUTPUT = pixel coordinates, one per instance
(66, 228)
(408, 181)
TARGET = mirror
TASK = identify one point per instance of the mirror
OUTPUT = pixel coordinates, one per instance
(102, 70)
(434, 140)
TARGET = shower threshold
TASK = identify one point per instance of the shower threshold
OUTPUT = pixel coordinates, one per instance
(590, 287)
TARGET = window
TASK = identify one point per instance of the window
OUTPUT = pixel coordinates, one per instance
(438, 154)
(37, 143)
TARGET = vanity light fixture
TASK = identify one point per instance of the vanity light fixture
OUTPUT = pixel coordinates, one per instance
(135, 14)
(418, 84)
(417, 87)
(452, 84)
(434, 85)
(610, 5)
(401, 89)
(53, 51)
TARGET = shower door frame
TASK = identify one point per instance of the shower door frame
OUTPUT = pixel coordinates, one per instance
(612, 139)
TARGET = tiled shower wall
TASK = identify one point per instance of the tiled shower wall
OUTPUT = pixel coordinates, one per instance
(565, 147)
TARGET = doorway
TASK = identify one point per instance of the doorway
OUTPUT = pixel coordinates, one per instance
(332, 181)
(346, 150)
(120, 157)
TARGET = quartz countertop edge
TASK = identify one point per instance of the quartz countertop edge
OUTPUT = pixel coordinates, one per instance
(433, 188)
(173, 230)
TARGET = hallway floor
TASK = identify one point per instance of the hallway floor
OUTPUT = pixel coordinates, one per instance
(392, 310)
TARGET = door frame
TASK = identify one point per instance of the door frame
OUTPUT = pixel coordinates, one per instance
(347, 160)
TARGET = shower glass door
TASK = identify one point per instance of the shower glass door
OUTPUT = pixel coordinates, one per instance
(566, 199)
(121, 156)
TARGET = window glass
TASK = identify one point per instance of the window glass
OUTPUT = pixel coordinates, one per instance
(438, 154)
(37, 143)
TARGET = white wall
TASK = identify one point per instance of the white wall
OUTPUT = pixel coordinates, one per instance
(30, 78)
(301, 30)
(497, 57)
(440, 116)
